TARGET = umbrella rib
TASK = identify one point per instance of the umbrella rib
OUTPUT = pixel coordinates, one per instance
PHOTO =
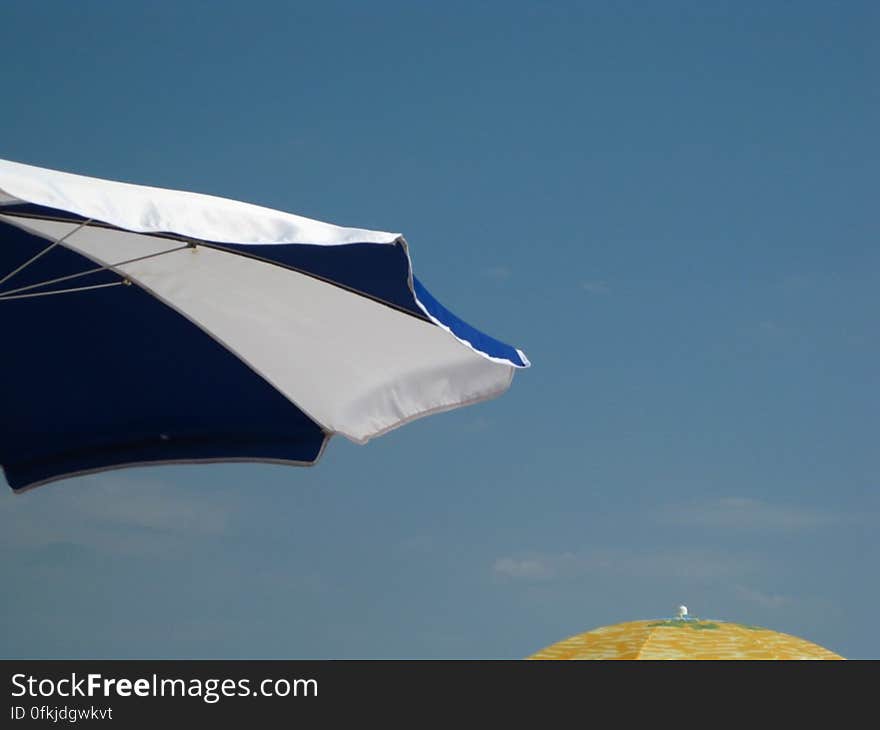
(44, 251)
(7, 294)
(65, 291)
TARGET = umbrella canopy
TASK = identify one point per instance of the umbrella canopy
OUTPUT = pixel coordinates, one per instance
(683, 639)
(144, 325)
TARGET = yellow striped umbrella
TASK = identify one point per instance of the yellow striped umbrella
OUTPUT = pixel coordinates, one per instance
(683, 639)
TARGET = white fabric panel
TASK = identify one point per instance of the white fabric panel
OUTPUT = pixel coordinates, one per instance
(356, 367)
(158, 210)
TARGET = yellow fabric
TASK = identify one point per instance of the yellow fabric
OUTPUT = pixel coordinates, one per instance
(677, 639)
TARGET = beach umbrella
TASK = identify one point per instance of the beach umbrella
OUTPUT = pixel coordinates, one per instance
(683, 638)
(144, 326)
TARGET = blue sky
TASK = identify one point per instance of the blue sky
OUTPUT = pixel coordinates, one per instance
(667, 206)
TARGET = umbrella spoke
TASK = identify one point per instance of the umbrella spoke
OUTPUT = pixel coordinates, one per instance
(65, 291)
(106, 267)
(44, 252)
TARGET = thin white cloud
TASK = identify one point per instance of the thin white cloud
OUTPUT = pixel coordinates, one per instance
(418, 544)
(797, 282)
(477, 424)
(111, 511)
(741, 513)
(596, 287)
(499, 273)
(765, 600)
(772, 330)
(678, 563)
(538, 568)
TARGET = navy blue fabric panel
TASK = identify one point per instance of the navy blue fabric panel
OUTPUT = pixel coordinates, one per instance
(379, 270)
(93, 379)
(481, 342)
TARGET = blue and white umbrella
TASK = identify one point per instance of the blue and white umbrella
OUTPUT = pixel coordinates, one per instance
(144, 326)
